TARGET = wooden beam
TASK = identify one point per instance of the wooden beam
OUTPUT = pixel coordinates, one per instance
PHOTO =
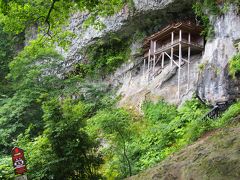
(189, 38)
(172, 38)
(180, 35)
(183, 59)
(171, 59)
(149, 58)
(154, 56)
(157, 59)
(167, 55)
(163, 56)
(175, 63)
(179, 68)
(189, 56)
(152, 47)
(144, 66)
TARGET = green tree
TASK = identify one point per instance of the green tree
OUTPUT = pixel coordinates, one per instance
(51, 15)
(75, 153)
(115, 127)
(22, 108)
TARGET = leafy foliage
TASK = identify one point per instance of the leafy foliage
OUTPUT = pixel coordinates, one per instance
(202, 10)
(6, 171)
(22, 108)
(234, 65)
(8, 45)
(16, 115)
(103, 57)
(206, 8)
(115, 127)
(70, 127)
(136, 143)
(29, 117)
(39, 155)
(50, 16)
(168, 131)
(159, 111)
(69, 143)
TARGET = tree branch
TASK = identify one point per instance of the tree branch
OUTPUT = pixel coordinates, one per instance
(47, 21)
(124, 151)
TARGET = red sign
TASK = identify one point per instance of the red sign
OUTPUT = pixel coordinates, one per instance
(18, 161)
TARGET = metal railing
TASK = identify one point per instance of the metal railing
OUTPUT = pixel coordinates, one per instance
(218, 110)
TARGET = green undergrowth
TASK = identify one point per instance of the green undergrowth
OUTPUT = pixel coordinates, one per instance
(234, 65)
(103, 57)
(115, 142)
(6, 171)
(135, 143)
(70, 127)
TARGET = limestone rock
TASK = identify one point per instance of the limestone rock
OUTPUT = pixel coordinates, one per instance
(214, 82)
(145, 14)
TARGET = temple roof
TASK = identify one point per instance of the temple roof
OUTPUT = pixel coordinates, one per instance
(185, 26)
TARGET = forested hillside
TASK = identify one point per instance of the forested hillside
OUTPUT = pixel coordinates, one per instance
(58, 101)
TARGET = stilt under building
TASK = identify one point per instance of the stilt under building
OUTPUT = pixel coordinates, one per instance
(174, 44)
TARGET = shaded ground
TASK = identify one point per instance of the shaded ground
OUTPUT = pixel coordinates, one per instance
(215, 156)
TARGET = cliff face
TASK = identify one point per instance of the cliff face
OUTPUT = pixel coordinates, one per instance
(136, 87)
(212, 83)
(147, 15)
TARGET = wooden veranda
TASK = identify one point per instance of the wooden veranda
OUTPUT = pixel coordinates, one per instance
(174, 44)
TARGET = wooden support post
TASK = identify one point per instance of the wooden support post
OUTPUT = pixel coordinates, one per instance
(179, 62)
(154, 46)
(154, 56)
(163, 56)
(172, 48)
(154, 63)
(189, 56)
(144, 66)
(149, 59)
(172, 38)
(179, 68)
(180, 35)
(151, 47)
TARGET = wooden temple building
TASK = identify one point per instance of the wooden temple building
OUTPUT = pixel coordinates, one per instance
(173, 45)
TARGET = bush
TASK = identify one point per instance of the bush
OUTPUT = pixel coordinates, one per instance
(165, 130)
(104, 57)
(6, 169)
(161, 111)
(234, 65)
(114, 126)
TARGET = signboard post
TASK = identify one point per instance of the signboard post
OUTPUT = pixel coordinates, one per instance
(23, 177)
(18, 159)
